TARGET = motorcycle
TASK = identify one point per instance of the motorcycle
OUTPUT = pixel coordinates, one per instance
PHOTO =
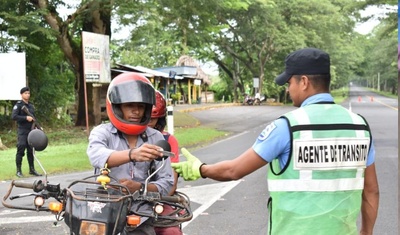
(97, 204)
(258, 99)
(248, 100)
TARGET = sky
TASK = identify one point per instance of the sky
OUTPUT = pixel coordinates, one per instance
(368, 26)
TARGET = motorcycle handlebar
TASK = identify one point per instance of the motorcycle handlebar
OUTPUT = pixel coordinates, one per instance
(36, 186)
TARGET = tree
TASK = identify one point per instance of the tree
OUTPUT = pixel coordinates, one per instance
(246, 39)
(92, 16)
(22, 31)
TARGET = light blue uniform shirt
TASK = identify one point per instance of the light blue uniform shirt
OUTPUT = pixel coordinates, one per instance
(274, 141)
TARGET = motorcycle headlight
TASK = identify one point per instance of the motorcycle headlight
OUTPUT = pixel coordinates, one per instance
(39, 201)
(159, 208)
(92, 228)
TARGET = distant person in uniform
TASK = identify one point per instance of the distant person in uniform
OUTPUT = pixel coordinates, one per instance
(25, 124)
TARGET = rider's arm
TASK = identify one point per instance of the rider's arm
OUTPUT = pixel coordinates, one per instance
(104, 142)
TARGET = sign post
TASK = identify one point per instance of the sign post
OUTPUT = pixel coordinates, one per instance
(12, 75)
(96, 62)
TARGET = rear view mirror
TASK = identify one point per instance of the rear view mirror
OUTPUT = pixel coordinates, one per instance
(37, 139)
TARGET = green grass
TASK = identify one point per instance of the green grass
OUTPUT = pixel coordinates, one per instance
(197, 136)
(384, 93)
(340, 95)
(54, 159)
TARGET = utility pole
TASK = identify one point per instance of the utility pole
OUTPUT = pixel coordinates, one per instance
(379, 81)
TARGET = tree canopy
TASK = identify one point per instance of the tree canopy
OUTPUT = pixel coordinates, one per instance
(246, 39)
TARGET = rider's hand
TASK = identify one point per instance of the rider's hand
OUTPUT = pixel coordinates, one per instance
(190, 169)
(131, 185)
(146, 152)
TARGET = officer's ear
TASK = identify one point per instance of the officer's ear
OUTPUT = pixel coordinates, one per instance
(304, 82)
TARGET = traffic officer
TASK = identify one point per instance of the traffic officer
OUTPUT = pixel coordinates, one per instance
(25, 124)
(322, 172)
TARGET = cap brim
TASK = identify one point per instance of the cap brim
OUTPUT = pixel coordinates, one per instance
(282, 78)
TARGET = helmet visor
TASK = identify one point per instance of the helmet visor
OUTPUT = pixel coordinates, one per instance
(132, 91)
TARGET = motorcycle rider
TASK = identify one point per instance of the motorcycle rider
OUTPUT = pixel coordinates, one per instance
(158, 121)
(126, 144)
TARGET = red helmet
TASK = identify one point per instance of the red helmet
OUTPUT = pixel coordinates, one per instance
(127, 88)
(160, 108)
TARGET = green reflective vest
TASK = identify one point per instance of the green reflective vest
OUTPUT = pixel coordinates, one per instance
(319, 189)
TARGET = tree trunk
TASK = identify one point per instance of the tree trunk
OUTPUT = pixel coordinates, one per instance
(98, 21)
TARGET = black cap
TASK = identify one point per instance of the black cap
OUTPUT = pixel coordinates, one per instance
(23, 89)
(307, 61)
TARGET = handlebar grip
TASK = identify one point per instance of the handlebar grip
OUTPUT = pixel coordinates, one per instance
(37, 185)
(175, 199)
(20, 184)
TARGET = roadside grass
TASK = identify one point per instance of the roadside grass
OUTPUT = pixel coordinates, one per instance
(340, 95)
(384, 93)
(66, 151)
(55, 159)
(195, 137)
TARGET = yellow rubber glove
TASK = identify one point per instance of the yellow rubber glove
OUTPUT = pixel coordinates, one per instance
(190, 169)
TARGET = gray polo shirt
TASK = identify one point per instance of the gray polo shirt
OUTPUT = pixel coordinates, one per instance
(105, 139)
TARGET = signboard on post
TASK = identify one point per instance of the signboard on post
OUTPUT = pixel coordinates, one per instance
(256, 82)
(96, 57)
(12, 75)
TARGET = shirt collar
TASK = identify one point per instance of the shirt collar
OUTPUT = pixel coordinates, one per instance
(322, 97)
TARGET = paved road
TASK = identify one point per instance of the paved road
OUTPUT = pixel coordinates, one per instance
(239, 207)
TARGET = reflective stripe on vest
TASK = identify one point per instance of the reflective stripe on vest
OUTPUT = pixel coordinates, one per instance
(312, 185)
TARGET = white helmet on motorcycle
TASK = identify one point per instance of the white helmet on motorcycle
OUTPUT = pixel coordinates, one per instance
(127, 88)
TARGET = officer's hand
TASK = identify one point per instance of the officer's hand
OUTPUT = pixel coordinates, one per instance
(190, 169)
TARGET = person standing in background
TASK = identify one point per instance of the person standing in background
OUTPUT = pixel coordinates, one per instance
(158, 121)
(25, 124)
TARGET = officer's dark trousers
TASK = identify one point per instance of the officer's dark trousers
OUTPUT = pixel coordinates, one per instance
(21, 146)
